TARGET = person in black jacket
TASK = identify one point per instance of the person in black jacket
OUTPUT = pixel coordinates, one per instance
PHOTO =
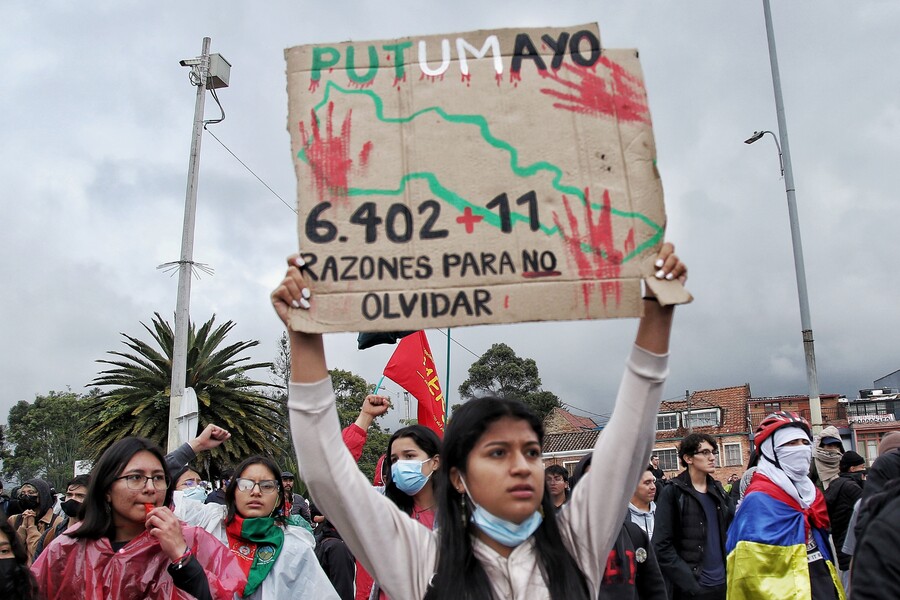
(840, 497)
(632, 571)
(875, 569)
(692, 517)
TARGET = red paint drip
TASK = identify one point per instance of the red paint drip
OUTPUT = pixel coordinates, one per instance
(314, 84)
(360, 86)
(399, 80)
(506, 302)
(498, 77)
(602, 261)
(328, 155)
(467, 79)
(589, 93)
(515, 77)
(364, 154)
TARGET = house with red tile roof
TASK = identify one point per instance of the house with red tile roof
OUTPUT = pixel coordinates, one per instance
(567, 438)
(721, 413)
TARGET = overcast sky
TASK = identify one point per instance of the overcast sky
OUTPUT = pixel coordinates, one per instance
(95, 119)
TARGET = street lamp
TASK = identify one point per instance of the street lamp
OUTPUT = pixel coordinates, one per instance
(784, 156)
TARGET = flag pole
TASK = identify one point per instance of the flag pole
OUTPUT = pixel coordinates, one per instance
(378, 387)
(447, 382)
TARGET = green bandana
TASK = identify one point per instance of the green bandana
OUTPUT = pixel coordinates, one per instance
(257, 543)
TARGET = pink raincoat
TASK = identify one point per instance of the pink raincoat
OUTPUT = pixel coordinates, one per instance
(70, 569)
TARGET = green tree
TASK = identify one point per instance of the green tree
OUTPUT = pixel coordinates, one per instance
(501, 372)
(350, 390)
(48, 437)
(138, 403)
(280, 373)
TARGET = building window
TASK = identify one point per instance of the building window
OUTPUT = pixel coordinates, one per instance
(666, 421)
(733, 456)
(707, 417)
(868, 408)
(867, 446)
(770, 407)
(668, 459)
(570, 465)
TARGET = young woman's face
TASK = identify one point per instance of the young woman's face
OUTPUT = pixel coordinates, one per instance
(405, 448)
(127, 504)
(255, 503)
(188, 480)
(504, 471)
(5, 547)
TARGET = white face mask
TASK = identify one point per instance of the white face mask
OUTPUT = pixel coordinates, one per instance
(795, 461)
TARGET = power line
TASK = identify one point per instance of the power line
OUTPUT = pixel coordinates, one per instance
(452, 339)
(294, 210)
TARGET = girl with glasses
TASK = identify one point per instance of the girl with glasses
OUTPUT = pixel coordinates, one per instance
(275, 552)
(497, 534)
(129, 544)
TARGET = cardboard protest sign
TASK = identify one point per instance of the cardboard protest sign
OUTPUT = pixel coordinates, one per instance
(483, 177)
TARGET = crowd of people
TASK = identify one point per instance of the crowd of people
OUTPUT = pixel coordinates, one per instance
(475, 515)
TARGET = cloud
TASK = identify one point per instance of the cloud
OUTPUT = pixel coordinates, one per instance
(95, 141)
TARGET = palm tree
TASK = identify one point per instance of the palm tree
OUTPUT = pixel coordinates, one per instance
(138, 404)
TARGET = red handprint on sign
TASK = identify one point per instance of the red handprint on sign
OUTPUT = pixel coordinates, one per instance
(589, 93)
(596, 256)
(329, 156)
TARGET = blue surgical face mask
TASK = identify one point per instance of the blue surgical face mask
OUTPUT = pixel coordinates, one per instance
(500, 530)
(195, 493)
(407, 475)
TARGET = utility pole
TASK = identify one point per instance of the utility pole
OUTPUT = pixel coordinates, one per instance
(183, 303)
(687, 398)
(815, 407)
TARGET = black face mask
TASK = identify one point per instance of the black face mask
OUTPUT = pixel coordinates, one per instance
(7, 566)
(71, 507)
(9, 569)
(29, 502)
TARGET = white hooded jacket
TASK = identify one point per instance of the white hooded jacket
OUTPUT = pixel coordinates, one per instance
(643, 519)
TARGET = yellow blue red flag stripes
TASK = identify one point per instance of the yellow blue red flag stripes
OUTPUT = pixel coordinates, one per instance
(766, 549)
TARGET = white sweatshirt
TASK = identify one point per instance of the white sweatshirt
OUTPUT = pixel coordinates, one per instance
(402, 555)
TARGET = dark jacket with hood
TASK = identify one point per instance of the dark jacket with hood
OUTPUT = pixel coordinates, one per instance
(840, 497)
(680, 533)
(876, 572)
(44, 518)
(632, 571)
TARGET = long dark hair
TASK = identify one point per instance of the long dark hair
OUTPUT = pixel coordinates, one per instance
(97, 511)
(427, 441)
(239, 472)
(459, 574)
(20, 583)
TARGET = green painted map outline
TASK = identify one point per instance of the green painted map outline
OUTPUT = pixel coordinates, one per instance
(457, 201)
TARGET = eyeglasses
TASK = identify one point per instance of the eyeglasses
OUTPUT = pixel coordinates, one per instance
(707, 453)
(190, 483)
(136, 481)
(266, 486)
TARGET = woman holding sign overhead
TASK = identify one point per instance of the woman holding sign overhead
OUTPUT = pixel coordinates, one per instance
(496, 535)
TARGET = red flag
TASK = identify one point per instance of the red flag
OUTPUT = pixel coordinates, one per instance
(412, 368)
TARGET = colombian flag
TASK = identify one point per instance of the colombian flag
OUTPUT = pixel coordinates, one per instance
(766, 545)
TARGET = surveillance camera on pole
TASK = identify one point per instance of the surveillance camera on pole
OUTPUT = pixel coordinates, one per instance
(207, 72)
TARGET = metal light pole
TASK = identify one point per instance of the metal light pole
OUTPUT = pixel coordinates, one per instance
(784, 154)
(182, 306)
